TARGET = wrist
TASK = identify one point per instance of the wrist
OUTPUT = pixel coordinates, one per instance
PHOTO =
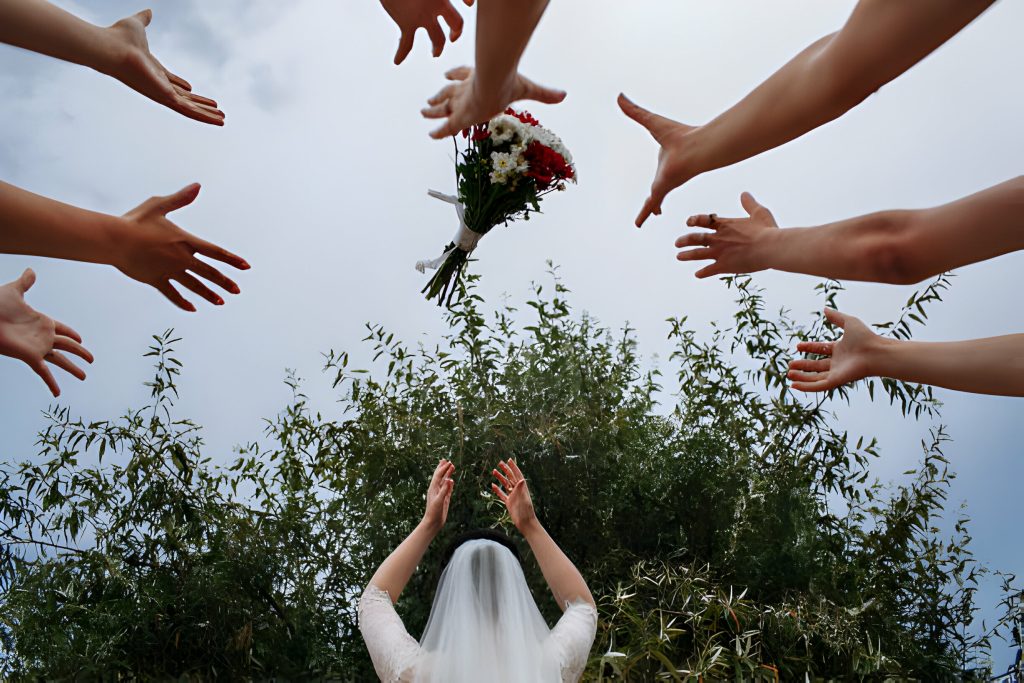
(114, 236)
(530, 527)
(878, 355)
(767, 244)
(101, 50)
(429, 527)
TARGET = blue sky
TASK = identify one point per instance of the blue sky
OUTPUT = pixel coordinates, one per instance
(319, 179)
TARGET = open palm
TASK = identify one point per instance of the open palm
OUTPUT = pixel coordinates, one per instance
(848, 359)
(439, 494)
(135, 66)
(34, 338)
(514, 493)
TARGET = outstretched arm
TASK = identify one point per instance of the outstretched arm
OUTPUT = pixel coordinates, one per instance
(897, 247)
(477, 95)
(120, 51)
(984, 366)
(564, 580)
(143, 244)
(880, 41)
(394, 573)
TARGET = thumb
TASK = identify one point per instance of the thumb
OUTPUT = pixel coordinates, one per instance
(835, 317)
(27, 279)
(750, 205)
(544, 94)
(145, 16)
(179, 199)
(633, 110)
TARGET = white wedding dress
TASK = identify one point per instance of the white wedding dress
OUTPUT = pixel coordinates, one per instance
(483, 626)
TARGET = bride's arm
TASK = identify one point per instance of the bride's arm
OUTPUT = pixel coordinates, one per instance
(394, 573)
(880, 41)
(564, 580)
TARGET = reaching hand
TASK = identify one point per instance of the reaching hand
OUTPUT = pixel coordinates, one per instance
(439, 494)
(674, 164)
(463, 106)
(157, 251)
(412, 15)
(514, 493)
(733, 246)
(849, 358)
(30, 336)
(133, 64)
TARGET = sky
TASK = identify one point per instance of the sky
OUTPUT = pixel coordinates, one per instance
(319, 180)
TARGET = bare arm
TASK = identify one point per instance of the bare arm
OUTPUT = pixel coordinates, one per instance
(477, 95)
(880, 41)
(984, 366)
(394, 573)
(120, 51)
(897, 247)
(565, 581)
(143, 244)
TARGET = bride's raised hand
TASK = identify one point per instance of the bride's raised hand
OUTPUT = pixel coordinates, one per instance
(439, 495)
(675, 158)
(464, 103)
(128, 59)
(515, 494)
(848, 359)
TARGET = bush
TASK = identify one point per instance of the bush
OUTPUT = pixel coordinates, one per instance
(727, 528)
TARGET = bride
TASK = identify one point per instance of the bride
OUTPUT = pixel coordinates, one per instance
(484, 624)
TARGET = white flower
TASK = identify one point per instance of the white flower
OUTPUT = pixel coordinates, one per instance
(498, 178)
(503, 162)
(504, 128)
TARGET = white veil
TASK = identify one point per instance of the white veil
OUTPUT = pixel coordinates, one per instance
(484, 624)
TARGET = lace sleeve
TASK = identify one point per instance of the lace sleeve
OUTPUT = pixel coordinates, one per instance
(392, 649)
(572, 637)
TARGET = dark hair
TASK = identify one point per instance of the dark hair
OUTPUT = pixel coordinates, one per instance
(478, 535)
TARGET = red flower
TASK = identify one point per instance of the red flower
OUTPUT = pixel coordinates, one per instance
(523, 116)
(546, 166)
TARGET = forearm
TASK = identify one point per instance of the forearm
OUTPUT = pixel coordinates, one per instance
(394, 573)
(42, 27)
(880, 41)
(564, 580)
(984, 366)
(38, 226)
(503, 31)
(866, 248)
(903, 247)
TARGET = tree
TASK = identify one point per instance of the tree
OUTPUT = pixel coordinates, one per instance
(727, 528)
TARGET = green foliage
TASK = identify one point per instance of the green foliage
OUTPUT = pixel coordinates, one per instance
(727, 528)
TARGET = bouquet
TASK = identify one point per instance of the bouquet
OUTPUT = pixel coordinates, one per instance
(507, 166)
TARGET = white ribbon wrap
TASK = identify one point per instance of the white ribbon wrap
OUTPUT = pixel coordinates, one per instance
(465, 239)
